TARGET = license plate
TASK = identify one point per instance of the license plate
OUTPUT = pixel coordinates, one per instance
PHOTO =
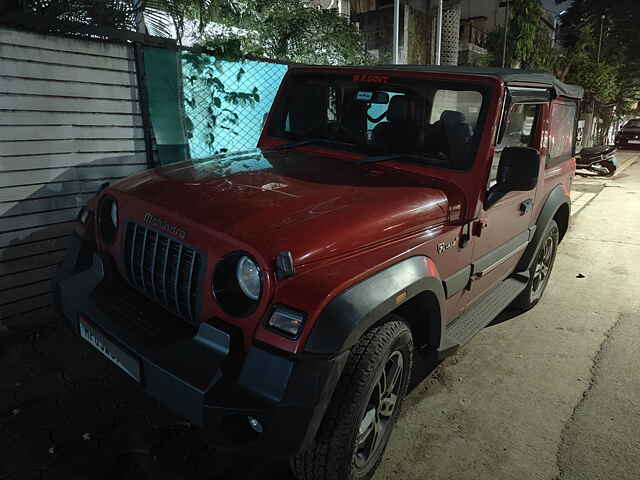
(634, 141)
(110, 350)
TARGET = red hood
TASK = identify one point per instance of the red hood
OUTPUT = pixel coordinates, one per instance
(313, 205)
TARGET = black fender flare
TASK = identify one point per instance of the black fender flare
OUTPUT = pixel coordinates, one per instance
(352, 312)
(555, 200)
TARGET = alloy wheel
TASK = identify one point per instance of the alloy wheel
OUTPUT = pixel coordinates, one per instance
(543, 266)
(379, 411)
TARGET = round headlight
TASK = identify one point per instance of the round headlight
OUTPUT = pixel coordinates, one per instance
(108, 219)
(248, 275)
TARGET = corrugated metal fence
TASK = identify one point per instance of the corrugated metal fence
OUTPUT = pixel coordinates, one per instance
(70, 120)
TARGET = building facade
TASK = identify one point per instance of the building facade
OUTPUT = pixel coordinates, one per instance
(466, 25)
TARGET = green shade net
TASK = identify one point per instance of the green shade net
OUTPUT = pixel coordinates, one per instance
(161, 68)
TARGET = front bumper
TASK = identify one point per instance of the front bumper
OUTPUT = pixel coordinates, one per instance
(200, 373)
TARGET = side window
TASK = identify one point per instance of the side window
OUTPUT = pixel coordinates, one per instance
(562, 131)
(519, 130)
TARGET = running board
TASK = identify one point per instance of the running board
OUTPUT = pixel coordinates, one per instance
(463, 328)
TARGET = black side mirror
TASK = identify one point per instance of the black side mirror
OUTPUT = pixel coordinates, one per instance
(517, 171)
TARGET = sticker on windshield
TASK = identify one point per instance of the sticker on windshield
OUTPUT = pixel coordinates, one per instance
(364, 96)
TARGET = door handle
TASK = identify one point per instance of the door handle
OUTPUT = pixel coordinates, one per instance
(526, 206)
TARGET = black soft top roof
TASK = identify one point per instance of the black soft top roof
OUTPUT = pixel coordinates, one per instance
(508, 75)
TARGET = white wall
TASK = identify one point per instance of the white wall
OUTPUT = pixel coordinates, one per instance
(69, 121)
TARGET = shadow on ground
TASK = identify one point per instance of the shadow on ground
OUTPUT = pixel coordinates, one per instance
(65, 412)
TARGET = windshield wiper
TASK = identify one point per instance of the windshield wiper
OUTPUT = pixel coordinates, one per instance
(395, 156)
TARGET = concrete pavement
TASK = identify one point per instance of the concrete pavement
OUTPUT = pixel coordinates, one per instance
(586, 186)
(553, 393)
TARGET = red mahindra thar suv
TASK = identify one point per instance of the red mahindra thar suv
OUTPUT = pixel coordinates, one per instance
(274, 297)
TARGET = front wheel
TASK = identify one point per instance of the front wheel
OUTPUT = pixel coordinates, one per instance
(540, 270)
(364, 407)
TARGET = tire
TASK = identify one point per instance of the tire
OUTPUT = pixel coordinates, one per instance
(542, 265)
(336, 453)
(610, 166)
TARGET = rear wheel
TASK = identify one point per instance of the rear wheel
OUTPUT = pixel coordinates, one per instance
(540, 270)
(610, 166)
(364, 407)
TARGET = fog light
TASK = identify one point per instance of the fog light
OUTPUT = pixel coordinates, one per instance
(287, 321)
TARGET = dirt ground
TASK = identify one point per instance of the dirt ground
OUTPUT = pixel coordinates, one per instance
(551, 394)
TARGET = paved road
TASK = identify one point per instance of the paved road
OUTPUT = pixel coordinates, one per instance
(552, 394)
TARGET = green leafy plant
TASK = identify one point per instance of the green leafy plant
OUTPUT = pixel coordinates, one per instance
(205, 94)
(529, 44)
(61, 15)
(292, 30)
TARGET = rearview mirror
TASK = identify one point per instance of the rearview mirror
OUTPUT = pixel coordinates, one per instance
(518, 169)
(517, 172)
(369, 96)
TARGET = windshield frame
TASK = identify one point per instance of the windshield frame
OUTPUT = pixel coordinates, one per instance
(274, 125)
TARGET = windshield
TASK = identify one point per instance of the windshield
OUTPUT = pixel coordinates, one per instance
(432, 122)
(635, 123)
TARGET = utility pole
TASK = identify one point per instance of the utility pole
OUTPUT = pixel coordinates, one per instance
(600, 41)
(396, 32)
(506, 31)
(439, 33)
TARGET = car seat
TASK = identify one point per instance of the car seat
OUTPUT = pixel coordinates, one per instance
(456, 135)
(400, 132)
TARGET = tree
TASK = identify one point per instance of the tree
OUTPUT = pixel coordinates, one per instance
(293, 30)
(609, 69)
(602, 36)
(528, 42)
(290, 30)
(74, 16)
(62, 15)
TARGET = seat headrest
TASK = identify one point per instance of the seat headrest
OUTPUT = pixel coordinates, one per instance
(452, 118)
(398, 110)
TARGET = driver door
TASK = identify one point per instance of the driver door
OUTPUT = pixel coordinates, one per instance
(502, 232)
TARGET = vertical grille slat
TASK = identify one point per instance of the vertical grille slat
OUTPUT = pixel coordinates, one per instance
(153, 266)
(190, 284)
(164, 269)
(144, 248)
(163, 277)
(177, 275)
(133, 249)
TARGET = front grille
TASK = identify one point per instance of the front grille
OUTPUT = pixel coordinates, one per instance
(164, 269)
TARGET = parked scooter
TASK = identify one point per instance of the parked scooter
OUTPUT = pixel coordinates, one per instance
(600, 160)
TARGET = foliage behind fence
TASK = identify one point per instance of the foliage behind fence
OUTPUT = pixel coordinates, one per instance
(226, 102)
